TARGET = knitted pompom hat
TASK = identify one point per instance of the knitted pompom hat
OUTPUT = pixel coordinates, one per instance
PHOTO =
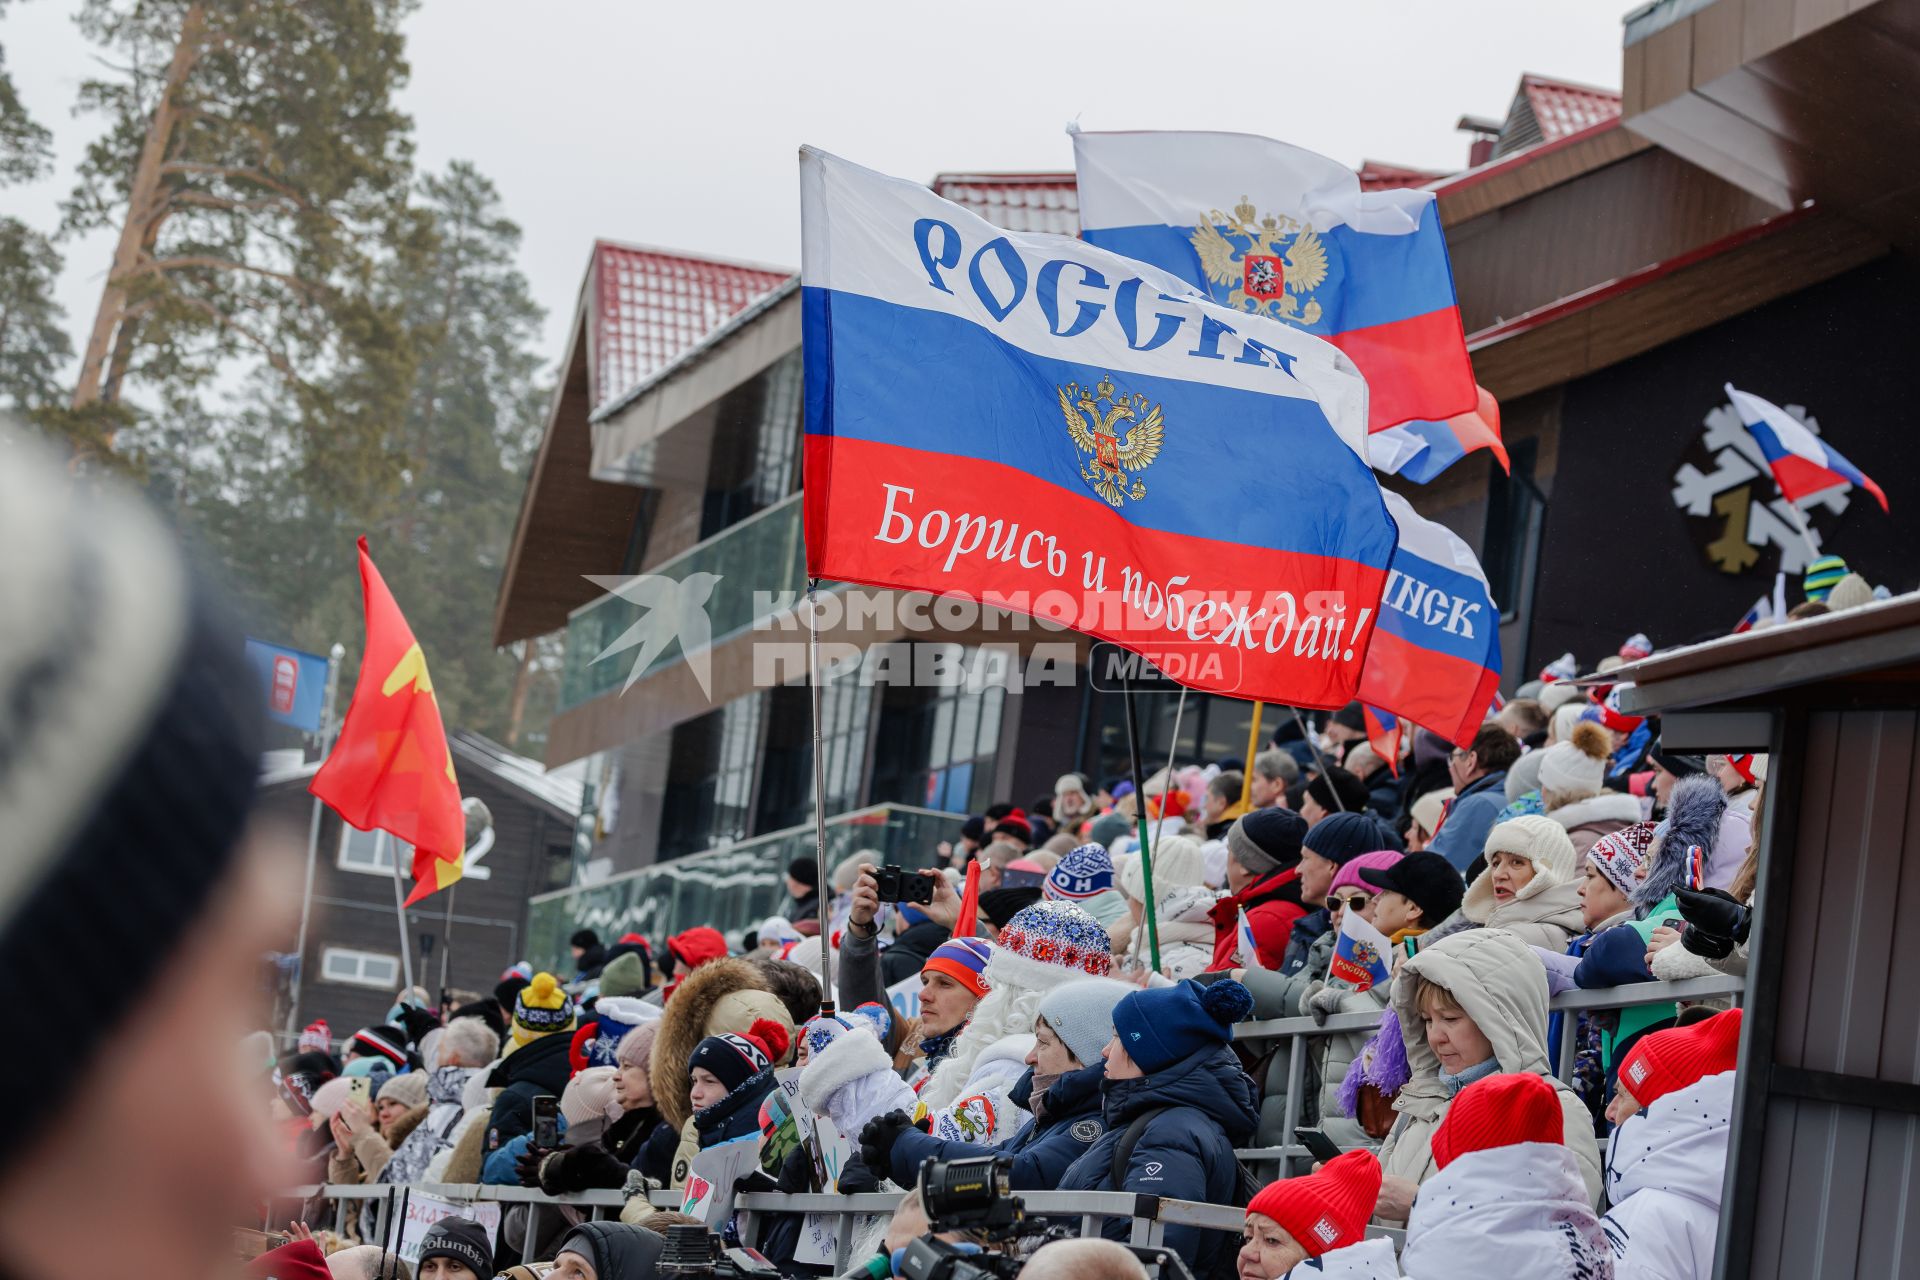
(1499, 1111)
(542, 1008)
(1668, 1061)
(1577, 768)
(1327, 1209)
(1621, 855)
(1161, 1025)
(964, 960)
(1047, 943)
(1086, 871)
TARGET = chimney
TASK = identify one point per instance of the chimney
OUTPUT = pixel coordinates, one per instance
(1484, 134)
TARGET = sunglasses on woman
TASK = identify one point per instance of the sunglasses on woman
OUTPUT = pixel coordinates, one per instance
(1350, 901)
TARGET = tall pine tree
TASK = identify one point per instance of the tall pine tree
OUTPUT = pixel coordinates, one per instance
(254, 169)
(240, 478)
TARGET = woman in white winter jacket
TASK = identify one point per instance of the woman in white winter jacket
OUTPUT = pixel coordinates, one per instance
(1668, 1155)
(1530, 887)
(1469, 1006)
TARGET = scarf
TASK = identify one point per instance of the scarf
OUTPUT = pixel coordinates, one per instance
(1480, 1071)
(1037, 1097)
(936, 1048)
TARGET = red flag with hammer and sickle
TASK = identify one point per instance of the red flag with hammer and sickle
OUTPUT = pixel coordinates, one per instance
(391, 769)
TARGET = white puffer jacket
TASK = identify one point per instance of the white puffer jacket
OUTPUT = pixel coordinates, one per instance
(1518, 1211)
(1664, 1172)
(1371, 1259)
(1502, 985)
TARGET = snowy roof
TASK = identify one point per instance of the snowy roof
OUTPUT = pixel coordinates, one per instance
(651, 305)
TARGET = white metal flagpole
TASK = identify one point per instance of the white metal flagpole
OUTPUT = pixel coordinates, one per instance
(819, 796)
(400, 912)
(334, 658)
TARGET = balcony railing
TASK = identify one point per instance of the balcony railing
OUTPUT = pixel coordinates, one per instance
(754, 561)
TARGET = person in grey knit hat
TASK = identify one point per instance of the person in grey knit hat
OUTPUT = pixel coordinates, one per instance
(129, 747)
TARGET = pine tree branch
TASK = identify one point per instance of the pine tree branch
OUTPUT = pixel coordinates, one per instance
(238, 173)
(160, 266)
(272, 354)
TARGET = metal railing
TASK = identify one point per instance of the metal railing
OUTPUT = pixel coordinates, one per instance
(1301, 1032)
(1149, 1215)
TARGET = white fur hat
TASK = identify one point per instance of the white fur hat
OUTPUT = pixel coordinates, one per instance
(1541, 841)
(1576, 768)
(1558, 694)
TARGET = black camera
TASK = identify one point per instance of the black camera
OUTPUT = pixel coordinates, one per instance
(697, 1254)
(897, 884)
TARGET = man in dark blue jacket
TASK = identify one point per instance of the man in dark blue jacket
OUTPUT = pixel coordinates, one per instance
(1176, 1103)
(1479, 775)
(1061, 1088)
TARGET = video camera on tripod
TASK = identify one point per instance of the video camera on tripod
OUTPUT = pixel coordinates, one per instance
(975, 1195)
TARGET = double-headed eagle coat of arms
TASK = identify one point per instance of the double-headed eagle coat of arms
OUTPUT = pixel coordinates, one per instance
(1273, 272)
(1113, 468)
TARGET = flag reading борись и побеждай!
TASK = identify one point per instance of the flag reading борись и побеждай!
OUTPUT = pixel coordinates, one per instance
(1274, 229)
(1436, 657)
(1038, 424)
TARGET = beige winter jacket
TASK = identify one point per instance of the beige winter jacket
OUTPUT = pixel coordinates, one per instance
(1543, 914)
(1503, 988)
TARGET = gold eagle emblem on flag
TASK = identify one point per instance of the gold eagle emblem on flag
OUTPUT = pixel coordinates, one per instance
(1113, 466)
(1269, 266)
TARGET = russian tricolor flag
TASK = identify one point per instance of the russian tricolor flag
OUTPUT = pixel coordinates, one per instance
(1435, 658)
(1802, 463)
(1038, 424)
(1283, 232)
(1383, 735)
(1419, 451)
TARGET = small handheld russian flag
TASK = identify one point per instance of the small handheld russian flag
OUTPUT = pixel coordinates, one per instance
(1248, 951)
(1803, 464)
(1383, 735)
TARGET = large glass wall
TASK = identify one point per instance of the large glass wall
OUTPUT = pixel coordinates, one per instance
(937, 746)
(709, 792)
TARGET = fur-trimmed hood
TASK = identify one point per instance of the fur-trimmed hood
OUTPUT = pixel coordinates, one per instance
(1693, 818)
(684, 1025)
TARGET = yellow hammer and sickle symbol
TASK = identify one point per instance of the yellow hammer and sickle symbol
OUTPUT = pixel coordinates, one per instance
(412, 670)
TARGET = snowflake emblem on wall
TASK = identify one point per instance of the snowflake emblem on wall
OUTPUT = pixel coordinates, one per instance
(1738, 495)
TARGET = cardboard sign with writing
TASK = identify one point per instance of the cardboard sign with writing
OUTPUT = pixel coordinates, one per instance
(425, 1210)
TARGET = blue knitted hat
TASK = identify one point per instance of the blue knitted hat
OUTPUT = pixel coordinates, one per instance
(1340, 836)
(1083, 873)
(1162, 1025)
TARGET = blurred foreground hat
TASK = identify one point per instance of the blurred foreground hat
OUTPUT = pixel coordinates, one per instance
(130, 731)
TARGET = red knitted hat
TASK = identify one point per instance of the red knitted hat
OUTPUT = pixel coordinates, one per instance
(1668, 1061)
(1500, 1111)
(1328, 1209)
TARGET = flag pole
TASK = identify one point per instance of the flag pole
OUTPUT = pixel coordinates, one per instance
(1140, 806)
(1173, 748)
(400, 913)
(1318, 759)
(1253, 745)
(335, 656)
(819, 795)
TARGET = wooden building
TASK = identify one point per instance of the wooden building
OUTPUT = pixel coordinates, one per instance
(470, 933)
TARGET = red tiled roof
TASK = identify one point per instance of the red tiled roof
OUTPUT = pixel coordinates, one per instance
(1563, 107)
(1016, 201)
(650, 305)
(1377, 175)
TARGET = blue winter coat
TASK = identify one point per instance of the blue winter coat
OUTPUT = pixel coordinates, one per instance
(1207, 1106)
(1471, 816)
(1041, 1150)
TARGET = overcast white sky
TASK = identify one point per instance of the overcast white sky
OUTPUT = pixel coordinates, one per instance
(677, 124)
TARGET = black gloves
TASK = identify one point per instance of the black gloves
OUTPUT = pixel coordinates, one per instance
(878, 1137)
(527, 1165)
(1716, 922)
(588, 1168)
